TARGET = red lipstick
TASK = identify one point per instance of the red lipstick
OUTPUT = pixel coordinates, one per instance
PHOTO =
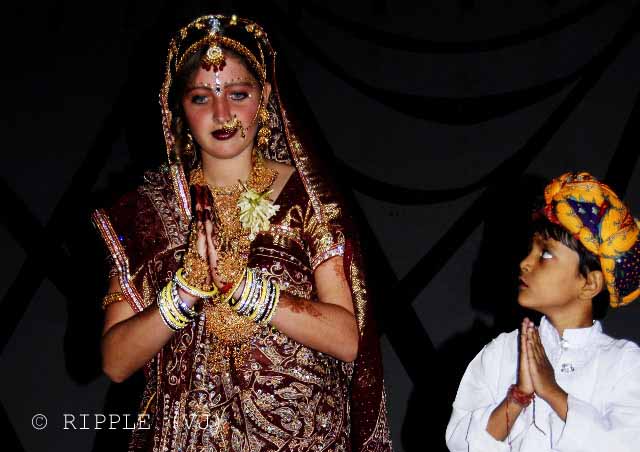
(222, 134)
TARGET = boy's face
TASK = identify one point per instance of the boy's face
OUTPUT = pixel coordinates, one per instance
(549, 277)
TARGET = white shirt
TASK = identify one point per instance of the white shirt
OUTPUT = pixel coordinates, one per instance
(600, 374)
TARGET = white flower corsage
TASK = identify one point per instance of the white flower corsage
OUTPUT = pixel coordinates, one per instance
(255, 211)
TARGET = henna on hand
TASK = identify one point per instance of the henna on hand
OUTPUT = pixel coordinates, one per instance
(212, 253)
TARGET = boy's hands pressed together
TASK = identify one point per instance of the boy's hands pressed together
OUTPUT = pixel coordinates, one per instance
(542, 373)
(524, 376)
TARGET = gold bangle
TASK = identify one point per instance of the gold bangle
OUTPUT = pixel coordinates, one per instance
(227, 296)
(245, 291)
(164, 314)
(166, 304)
(111, 298)
(181, 280)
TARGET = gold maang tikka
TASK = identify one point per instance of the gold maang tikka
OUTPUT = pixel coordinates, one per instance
(214, 56)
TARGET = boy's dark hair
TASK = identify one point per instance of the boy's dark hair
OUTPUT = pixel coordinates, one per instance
(587, 260)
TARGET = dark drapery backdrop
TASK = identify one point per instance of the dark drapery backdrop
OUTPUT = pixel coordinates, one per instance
(442, 119)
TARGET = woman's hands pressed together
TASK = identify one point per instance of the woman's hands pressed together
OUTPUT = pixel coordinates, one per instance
(327, 325)
(206, 226)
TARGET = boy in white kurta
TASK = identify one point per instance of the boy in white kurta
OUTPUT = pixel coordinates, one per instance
(565, 385)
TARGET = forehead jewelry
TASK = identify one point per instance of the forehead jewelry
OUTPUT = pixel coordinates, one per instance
(214, 57)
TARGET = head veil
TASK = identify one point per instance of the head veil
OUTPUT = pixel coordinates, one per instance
(248, 39)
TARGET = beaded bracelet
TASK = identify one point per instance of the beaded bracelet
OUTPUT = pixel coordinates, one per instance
(520, 397)
(111, 298)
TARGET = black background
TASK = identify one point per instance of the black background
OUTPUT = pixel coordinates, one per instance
(442, 119)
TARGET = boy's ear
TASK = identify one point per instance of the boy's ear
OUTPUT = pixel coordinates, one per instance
(593, 285)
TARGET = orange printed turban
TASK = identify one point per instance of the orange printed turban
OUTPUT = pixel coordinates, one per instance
(593, 213)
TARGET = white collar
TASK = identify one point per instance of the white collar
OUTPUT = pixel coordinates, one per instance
(574, 338)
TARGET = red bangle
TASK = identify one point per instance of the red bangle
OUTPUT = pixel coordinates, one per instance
(521, 398)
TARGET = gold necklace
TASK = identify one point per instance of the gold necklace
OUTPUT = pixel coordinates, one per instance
(233, 332)
(232, 239)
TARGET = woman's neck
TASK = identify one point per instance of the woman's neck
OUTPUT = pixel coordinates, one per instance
(226, 172)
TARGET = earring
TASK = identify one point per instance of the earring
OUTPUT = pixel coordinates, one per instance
(264, 134)
(188, 145)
